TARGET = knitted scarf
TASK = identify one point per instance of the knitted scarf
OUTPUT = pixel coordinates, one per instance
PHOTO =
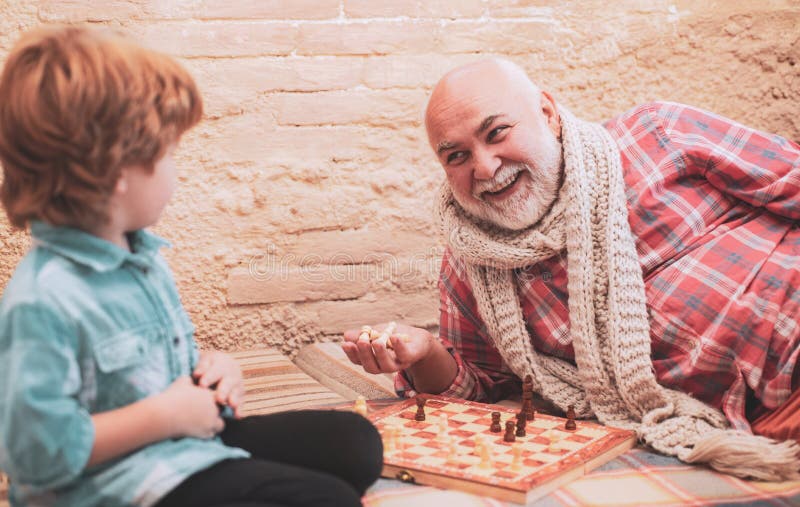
(609, 328)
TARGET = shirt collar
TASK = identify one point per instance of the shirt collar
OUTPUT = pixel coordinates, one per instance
(94, 252)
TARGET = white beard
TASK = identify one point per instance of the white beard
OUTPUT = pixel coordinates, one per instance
(530, 201)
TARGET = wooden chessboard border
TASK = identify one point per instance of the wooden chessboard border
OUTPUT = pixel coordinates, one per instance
(522, 489)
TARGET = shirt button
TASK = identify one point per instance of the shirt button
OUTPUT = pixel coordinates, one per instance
(547, 276)
(145, 270)
(176, 341)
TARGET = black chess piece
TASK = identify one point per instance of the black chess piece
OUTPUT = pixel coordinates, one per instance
(420, 415)
(495, 427)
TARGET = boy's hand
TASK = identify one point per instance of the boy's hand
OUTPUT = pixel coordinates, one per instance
(374, 358)
(191, 410)
(219, 371)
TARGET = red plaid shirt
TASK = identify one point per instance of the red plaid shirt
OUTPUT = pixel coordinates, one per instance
(714, 208)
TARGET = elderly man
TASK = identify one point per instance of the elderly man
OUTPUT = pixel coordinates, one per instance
(644, 271)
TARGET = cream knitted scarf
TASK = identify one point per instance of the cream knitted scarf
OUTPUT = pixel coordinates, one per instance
(609, 327)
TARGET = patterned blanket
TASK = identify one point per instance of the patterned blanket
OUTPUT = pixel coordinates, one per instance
(634, 479)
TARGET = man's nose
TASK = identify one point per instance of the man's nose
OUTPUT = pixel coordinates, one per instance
(486, 164)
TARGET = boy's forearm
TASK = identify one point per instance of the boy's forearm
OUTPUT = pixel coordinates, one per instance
(435, 373)
(120, 431)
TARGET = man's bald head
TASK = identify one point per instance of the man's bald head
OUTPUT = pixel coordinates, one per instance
(496, 135)
(481, 78)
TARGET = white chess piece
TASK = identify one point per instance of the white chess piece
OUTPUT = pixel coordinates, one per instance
(360, 406)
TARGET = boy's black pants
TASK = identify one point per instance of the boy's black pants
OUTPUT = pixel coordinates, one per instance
(319, 458)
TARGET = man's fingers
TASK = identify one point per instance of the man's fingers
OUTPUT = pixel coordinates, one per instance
(401, 348)
(351, 335)
(367, 357)
(383, 357)
(351, 351)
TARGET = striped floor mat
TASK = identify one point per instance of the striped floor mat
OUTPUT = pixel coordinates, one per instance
(273, 383)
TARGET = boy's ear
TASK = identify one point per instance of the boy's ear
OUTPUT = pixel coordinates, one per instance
(121, 188)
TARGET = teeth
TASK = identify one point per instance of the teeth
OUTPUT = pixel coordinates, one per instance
(504, 183)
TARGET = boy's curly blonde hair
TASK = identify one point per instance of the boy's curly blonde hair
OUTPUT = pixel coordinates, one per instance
(76, 106)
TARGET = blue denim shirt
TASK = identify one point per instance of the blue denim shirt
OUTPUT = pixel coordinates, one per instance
(86, 327)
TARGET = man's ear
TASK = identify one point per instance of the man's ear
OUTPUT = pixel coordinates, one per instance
(550, 113)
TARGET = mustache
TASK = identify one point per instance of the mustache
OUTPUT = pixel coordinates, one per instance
(504, 175)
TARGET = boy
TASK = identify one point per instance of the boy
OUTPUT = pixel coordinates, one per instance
(97, 402)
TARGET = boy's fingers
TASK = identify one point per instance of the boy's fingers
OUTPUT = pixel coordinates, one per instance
(235, 397)
(203, 364)
(223, 391)
(219, 425)
(211, 377)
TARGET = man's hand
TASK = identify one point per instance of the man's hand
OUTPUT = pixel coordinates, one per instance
(219, 371)
(406, 350)
(191, 410)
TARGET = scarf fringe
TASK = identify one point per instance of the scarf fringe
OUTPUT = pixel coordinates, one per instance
(747, 456)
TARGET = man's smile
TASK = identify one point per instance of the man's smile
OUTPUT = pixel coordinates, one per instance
(503, 189)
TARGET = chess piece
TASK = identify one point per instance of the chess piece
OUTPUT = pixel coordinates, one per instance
(527, 409)
(553, 447)
(452, 449)
(444, 426)
(570, 424)
(495, 427)
(478, 442)
(527, 397)
(360, 406)
(420, 415)
(383, 338)
(516, 460)
(486, 458)
(509, 436)
(521, 420)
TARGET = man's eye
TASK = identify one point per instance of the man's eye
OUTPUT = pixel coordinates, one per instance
(456, 157)
(495, 132)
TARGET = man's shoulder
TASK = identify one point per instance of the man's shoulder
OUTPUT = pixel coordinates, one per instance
(648, 111)
(662, 114)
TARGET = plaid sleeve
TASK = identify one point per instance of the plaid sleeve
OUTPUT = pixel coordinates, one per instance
(482, 375)
(758, 168)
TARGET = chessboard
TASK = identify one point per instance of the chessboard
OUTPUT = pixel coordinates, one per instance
(455, 448)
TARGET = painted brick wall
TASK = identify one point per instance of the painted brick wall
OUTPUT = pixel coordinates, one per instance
(304, 204)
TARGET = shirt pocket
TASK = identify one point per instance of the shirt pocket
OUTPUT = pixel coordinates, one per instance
(124, 350)
(128, 367)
